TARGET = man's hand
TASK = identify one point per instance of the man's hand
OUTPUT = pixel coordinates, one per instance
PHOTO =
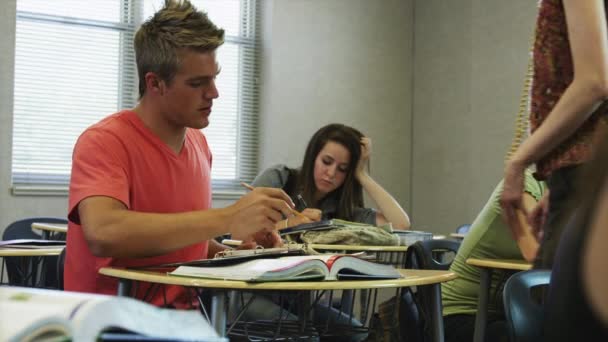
(258, 211)
(538, 216)
(511, 197)
(263, 238)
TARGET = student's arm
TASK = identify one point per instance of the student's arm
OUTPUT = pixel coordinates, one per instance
(526, 241)
(388, 208)
(586, 22)
(595, 254)
(111, 230)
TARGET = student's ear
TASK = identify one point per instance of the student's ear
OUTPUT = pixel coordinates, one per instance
(154, 83)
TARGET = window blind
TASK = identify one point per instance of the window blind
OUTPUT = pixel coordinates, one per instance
(75, 64)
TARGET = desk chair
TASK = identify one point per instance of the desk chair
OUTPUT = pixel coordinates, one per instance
(414, 310)
(22, 229)
(463, 229)
(60, 265)
(523, 313)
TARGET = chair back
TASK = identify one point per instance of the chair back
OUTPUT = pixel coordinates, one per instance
(60, 265)
(415, 308)
(22, 229)
(523, 312)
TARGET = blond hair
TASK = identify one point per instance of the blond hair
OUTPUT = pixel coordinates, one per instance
(176, 27)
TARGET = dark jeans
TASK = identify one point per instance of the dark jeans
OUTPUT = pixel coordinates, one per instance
(460, 328)
(562, 186)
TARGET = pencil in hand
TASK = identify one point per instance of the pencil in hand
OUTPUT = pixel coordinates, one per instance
(295, 212)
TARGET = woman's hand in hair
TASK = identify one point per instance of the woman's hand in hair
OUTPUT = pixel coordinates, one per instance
(366, 151)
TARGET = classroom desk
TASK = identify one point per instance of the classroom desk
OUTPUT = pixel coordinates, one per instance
(48, 229)
(486, 266)
(31, 257)
(219, 288)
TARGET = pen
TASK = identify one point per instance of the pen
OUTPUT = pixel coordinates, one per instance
(301, 202)
(295, 212)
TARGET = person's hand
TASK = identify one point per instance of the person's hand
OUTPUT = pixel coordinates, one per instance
(538, 216)
(265, 239)
(366, 151)
(511, 197)
(312, 213)
(308, 215)
(258, 211)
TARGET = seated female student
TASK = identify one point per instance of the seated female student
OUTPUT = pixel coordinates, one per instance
(331, 178)
(489, 237)
(577, 305)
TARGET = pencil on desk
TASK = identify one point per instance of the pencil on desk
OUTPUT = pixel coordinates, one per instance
(295, 212)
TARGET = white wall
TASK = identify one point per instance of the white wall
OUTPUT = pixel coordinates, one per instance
(347, 61)
(470, 63)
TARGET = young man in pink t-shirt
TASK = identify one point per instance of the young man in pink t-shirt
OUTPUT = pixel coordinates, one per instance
(140, 191)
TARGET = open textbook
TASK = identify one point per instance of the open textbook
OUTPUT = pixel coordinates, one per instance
(32, 243)
(48, 315)
(290, 268)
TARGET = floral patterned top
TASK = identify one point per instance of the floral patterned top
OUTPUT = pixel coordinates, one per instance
(553, 73)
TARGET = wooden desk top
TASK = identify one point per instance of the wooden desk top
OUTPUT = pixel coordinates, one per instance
(457, 236)
(10, 252)
(411, 278)
(52, 227)
(505, 264)
(358, 248)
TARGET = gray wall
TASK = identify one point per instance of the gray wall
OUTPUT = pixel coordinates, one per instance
(470, 62)
(434, 83)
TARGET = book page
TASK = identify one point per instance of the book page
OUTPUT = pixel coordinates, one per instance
(284, 268)
(83, 316)
(25, 313)
(143, 318)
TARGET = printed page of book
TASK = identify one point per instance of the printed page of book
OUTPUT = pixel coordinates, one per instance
(33, 314)
(142, 318)
(281, 269)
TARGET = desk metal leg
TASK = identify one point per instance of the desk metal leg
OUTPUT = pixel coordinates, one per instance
(124, 287)
(346, 301)
(482, 304)
(218, 311)
(436, 313)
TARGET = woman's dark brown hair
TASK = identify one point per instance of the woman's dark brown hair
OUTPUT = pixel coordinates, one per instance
(348, 196)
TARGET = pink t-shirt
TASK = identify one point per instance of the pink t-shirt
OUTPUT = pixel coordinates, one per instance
(120, 157)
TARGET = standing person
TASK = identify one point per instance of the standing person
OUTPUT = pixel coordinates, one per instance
(569, 85)
(577, 305)
(140, 191)
(332, 178)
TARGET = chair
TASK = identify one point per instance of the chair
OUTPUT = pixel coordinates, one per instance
(60, 265)
(414, 312)
(524, 314)
(463, 229)
(22, 229)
